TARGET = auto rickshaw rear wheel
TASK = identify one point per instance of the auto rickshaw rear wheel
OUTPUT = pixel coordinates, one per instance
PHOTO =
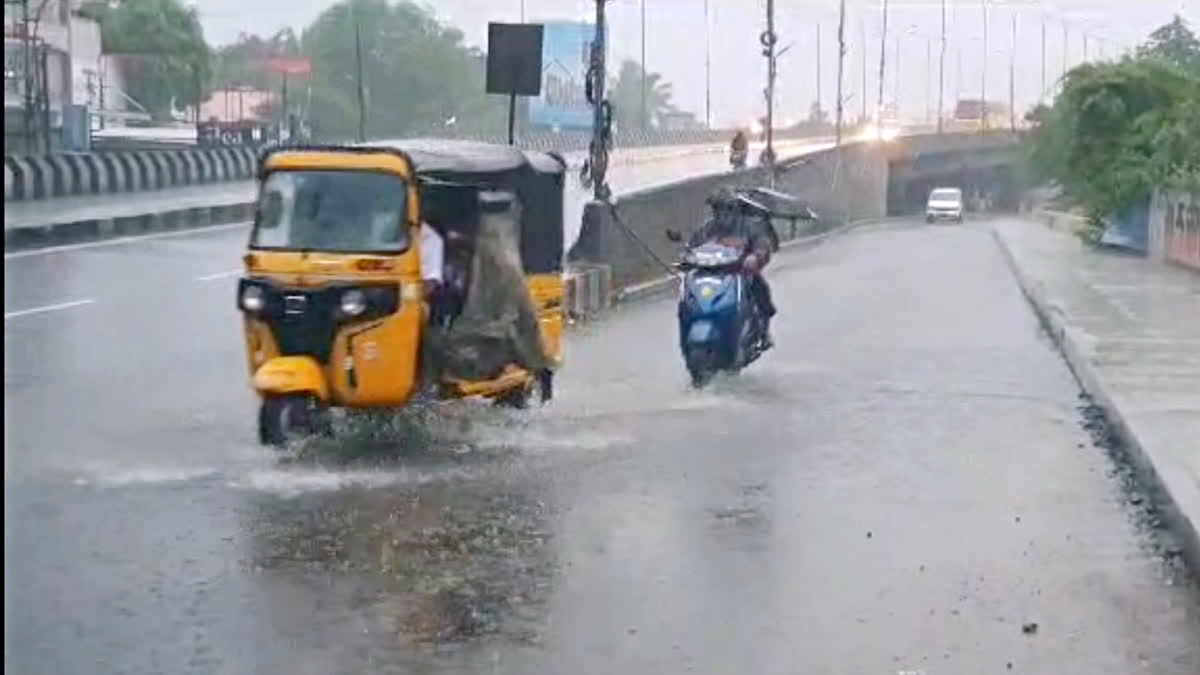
(291, 417)
(517, 397)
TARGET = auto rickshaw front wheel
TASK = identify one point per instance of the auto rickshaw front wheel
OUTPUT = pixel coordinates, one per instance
(291, 417)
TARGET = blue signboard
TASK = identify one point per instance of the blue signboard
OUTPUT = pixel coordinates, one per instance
(563, 103)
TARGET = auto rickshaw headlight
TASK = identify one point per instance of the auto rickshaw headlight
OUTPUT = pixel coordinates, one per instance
(354, 302)
(252, 298)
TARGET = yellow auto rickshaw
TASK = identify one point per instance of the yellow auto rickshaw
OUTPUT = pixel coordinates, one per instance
(333, 303)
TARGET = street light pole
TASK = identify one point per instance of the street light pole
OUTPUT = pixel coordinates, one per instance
(707, 69)
(358, 69)
(896, 96)
(882, 60)
(818, 66)
(928, 80)
(862, 29)
(1012, 78)
(645, 114)
(1066, 54)
(983, 74)
(942, 72)
(841, 64)
(1043, 59)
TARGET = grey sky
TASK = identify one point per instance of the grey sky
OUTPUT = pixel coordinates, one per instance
(675, 43)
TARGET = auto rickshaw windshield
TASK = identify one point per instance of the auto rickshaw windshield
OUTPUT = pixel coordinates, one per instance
(337, 211)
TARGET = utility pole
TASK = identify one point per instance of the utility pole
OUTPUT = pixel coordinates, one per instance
(645, 113)
(841, 65)
(358, 69)
(522, 11)
(27, 55)
(942, 73)
(882, 60)
(1085, 47)
(768, 40)
(707, 69)
(596, 167)
(983, 74)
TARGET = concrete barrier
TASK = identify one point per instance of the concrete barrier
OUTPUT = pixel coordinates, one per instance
(66, 174)
(840, 185)
(588, 291)
(69, 174)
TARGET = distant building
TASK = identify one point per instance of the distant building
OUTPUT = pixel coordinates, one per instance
(679, 121)
(237, 105)
(57, 57)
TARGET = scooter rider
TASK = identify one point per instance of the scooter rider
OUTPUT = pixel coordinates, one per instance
(731, 226)
(739, 146)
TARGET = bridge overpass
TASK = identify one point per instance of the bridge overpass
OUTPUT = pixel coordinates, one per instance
(862, 180)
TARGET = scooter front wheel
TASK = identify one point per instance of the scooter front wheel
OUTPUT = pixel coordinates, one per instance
(701, 365)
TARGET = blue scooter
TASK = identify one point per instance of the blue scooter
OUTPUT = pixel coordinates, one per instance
(720, 326)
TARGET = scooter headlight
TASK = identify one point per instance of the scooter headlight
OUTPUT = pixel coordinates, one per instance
(252, 298)
(354, 302)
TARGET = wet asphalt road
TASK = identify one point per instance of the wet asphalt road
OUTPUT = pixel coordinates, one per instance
(902, 485)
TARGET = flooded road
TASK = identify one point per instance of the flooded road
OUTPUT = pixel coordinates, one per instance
(904, 484)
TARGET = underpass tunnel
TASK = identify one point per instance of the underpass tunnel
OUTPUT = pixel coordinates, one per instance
(991, 188)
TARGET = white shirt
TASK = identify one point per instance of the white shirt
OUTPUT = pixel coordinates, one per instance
(432, 254)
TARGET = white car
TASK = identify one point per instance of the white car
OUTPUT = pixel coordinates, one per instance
(944, 204)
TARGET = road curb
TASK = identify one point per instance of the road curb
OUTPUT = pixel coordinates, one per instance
(80, 231)
(1070, 342)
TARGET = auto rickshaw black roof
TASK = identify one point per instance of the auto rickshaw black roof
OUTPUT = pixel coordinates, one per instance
(445, 158)
(537, 178)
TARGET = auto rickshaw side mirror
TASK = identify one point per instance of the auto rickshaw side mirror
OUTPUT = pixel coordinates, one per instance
(674, 235)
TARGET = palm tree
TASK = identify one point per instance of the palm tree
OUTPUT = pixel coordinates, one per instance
(626, 96)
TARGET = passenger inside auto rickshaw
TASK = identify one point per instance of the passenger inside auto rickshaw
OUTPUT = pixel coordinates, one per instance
(482, 316)
(446, 250)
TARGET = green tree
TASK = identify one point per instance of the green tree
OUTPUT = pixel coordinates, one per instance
(167, 61)
(625, 93)
(417, 74)
(1174, 44)
(1119, 130)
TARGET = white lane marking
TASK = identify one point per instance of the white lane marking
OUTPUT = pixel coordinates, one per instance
(65, 248)
(47, 308)
(219, 275)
